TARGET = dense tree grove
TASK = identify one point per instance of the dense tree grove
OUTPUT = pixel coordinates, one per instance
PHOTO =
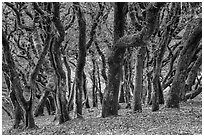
(67, 57)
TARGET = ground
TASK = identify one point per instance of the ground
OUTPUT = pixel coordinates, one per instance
(184, 121)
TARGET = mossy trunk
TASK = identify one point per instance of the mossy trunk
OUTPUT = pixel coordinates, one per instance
(138, 90)
(110, 98)
(81, 59)
(189, 47)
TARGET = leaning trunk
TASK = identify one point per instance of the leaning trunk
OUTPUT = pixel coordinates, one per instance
(189, 47)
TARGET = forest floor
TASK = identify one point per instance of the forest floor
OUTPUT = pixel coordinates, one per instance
(184, 121)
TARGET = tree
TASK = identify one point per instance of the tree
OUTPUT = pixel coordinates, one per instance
(24, 104)
(61, 86)
(110, 100)
(138, 89)
(81, 59)
(157, 95)
(189, 47)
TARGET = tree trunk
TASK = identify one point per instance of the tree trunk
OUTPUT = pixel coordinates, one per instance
(85, 91)
(99, 84)
(193, 93)
(94, 89)
(122, 94)
(16, 85)
(193, 73)
(138, 90)
(189, 47)
(157, 96)
(18, 112)
(161, 95)
(110, 99)
(149, 87)
(40, 107)
(51, 103)
(81, 58)
(103, 70)
(61, 85)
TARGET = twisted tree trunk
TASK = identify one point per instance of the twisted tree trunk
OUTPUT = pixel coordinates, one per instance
(61, 88)
(81, 59)
(110, 100)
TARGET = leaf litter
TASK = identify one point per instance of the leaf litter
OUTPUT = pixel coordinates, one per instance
(184, 121)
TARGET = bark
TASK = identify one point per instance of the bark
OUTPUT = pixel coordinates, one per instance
(40, 107)
(85, 91)
(122, 94)
(68, 73)
(99, 84)
(7, 111)
(51, 102)
(93, 78)
(193, 73)
(138, 90)
(157, 95)
(127, 81)
(110, 100)
(174, 57)
(95, 24)
(18, 112)
(193, 93)
(62, 112)
(103, 71)
(134, 21)
(149, 87)
(81, 58)
(16, 85)
(189, 47)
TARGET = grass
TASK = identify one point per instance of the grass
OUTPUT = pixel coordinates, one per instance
(184, 121)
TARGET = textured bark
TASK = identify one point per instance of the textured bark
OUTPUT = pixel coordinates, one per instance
(40, 107)
(127, 78)
(103, 71)
(51, 103)
(85, 91)
(62, 112)
(94, 86)
(193, 73)
(16, 85)
(122, 94)
(81, 58)
(18, 112)
(99, 84)
(134, 21)
(157, 95)
(110, 100)
(138, 90)
(65, 59)
(189, 47)
(193, 93)
(149, 87)
(174, 57)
